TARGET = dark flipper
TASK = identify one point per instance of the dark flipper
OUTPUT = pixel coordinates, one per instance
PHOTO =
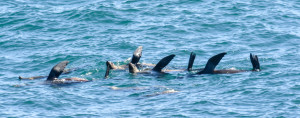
(191, 61)
(108, 67)
(133, 68)
(137, 55)
(57, 70)
(212, 63)
(163, 63)
(255, 62)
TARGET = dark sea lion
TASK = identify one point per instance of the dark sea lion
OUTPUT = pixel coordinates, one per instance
(254, 62)
(57, 70)
(66, 71)
(214, 61)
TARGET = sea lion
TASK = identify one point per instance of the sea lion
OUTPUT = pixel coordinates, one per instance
(57, 70)
(137, 54)
(214, 61)
(158, 67)
(66, 71)
(134, 69)
(254, 62)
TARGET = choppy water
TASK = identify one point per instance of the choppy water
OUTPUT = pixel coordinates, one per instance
(35, 35)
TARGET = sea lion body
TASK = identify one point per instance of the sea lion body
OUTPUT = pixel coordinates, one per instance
(214, 61)
(57, 70)
(66, 71)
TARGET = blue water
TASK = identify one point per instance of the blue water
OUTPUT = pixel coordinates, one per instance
(35, 35)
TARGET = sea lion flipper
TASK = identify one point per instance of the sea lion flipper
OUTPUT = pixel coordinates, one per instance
(132, 68)
(212, 63)
(191, 61)
(108, 67)
(57, 70)
(255, 62)
(137, 55)
(68, 71)
(163, 63)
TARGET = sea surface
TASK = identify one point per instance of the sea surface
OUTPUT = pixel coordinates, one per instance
(35, 35)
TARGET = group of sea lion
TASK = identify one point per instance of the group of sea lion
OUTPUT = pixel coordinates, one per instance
(135, 67)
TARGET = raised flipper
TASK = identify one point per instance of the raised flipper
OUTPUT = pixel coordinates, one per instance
(255, 62)
(135, 59)
(112, 65)
(67, 71)
(57, 70)
(163, 63)
(133, 68)
(108, 67)
(191, 61)
(137, 55)
(212, 63)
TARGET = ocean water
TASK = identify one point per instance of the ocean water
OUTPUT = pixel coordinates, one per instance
(35, 35)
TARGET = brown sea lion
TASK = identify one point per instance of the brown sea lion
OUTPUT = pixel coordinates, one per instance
(57, 70)
(158, 67)
(214, 61)
(137, 54)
